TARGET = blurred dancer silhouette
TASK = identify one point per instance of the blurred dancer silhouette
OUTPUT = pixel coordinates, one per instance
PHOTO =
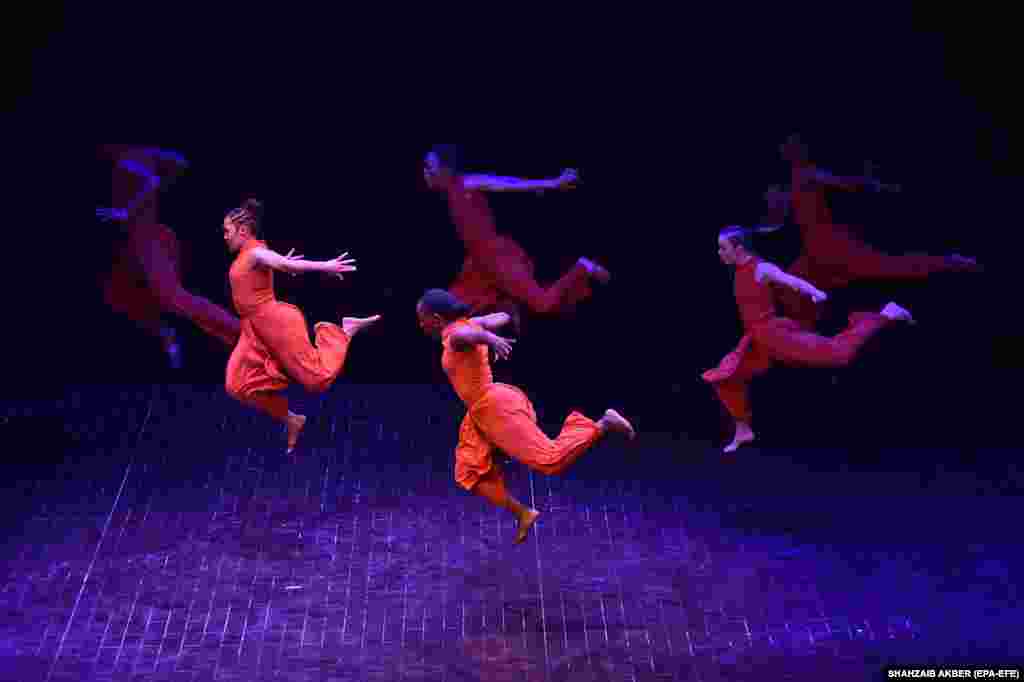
(497, 274)
(831, 256)
(145, 280)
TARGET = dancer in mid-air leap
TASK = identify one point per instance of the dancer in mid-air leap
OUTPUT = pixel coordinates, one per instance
(274, 347)
(144, 282)
(769, 338)
(497, 274)
(500, 416)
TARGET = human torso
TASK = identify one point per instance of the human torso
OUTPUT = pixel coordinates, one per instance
(251, 285)
(470, 212)
(755, 300)
(469, 370)
(810, 205)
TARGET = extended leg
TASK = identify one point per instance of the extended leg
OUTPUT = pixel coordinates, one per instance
(513, 272)
(865, 263)
(282, 329)
(731, 382)
(162, 276)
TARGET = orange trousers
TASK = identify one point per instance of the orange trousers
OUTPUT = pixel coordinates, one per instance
(504, 419)
(784, 340)
(274, 350)
(499, 274)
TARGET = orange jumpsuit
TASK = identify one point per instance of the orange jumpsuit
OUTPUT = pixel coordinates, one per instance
(770, 339)
(274, 347)
(501, 417)
(497, 273)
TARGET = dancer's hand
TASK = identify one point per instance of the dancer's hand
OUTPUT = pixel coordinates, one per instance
(340, 265)
(172, 157)
(568, 179)
(501, 346)
(817, 295)
(112, 214)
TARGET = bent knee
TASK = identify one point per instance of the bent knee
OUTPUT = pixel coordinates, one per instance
(542, 306)
(234, 390)
(845, 358)
(317, 387)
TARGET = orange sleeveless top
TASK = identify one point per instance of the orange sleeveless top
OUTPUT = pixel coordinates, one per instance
(468, 370)
(755, 300)
(251, 286)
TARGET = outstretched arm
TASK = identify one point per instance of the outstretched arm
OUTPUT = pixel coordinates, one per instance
(493, 321)
(467, 336)
(849, 183)
(295, 265)
(498, 183)
(772, 273)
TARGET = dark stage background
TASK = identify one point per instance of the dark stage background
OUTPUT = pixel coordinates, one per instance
(667, 156)
(890, 481)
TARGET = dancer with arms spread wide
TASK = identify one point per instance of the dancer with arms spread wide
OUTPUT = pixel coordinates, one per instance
(145, 281)
(831, 256)
(497, 274)
(274, 349)
(771, 339)
(500, 416)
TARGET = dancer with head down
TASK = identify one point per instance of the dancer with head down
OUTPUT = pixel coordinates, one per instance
(500, 416)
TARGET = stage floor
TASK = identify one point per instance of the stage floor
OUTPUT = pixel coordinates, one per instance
(160, 533)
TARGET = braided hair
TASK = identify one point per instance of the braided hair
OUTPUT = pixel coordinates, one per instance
(249, 214)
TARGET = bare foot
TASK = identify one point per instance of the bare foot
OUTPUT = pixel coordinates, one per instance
(897, 313)
(352, 325)
(613, 421)
(295, 425)
(738, 441)
(526, 522)
(596, 271)
(965, 263)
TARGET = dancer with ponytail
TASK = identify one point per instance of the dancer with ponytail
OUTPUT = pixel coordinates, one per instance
(500, 416)
(771, 339)
(274, 349)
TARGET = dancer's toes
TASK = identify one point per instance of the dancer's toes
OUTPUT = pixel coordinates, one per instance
(295, 425)
(352, 325)
(597, 272)
(616, 422)
(898, 313)
(738, 442)
(525, 524)
(744, 434)
(965, 263)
